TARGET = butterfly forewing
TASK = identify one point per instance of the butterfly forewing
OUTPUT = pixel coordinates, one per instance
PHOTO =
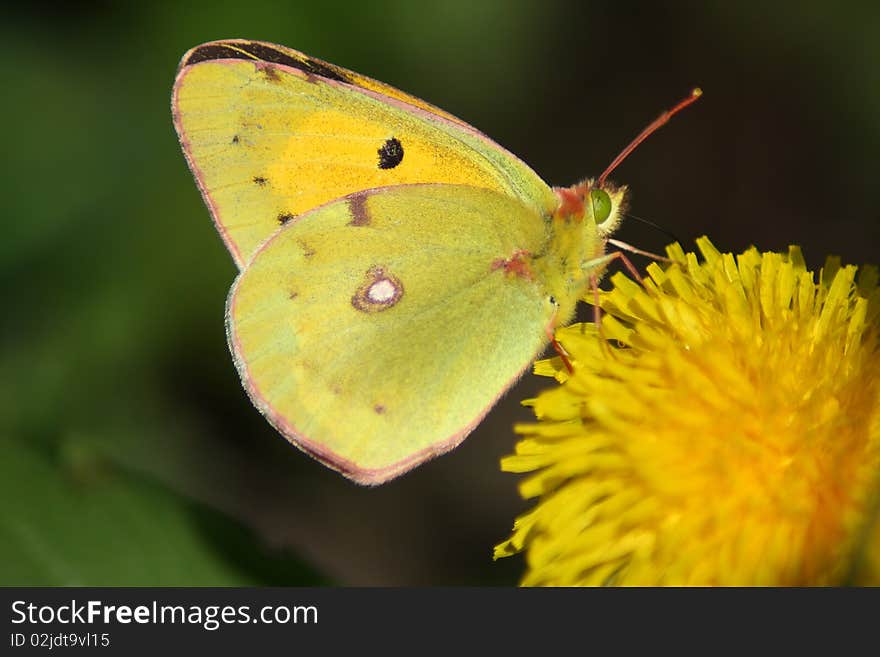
(271, 134)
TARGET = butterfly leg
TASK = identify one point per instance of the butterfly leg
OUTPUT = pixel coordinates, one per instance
(597, 310)
(630, 267)
(563, 354)
(594, 284)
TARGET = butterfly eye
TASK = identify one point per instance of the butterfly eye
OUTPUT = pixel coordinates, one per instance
(601, 205)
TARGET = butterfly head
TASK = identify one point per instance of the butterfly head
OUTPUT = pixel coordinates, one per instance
(597, 205)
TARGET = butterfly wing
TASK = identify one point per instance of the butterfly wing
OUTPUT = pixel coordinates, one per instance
(271, 133)
(376, 331)
(273, 53)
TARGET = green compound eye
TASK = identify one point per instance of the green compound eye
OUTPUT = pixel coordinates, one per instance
(601, 205)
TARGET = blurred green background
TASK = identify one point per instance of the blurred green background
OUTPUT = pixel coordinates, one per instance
(129, 453)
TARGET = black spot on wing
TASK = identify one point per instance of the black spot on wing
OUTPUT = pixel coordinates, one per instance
(284, 217)
(260, 180)
(236, 139)
(390, 154)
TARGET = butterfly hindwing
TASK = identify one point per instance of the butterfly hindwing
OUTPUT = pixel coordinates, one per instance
(271, 133)
(373, 341)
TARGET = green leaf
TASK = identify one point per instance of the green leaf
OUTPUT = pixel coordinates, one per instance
(100, 529)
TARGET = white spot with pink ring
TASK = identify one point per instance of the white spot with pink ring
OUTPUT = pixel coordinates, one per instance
(382, 291)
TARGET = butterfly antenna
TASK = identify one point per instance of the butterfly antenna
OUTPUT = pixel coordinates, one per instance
(647, 132)
(650, 223)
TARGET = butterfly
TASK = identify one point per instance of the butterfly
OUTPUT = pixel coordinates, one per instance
(399, 270)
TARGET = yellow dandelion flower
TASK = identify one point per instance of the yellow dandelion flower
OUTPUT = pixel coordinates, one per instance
(731, 438)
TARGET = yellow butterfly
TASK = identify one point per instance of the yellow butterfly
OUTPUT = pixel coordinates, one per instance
(399, 270)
